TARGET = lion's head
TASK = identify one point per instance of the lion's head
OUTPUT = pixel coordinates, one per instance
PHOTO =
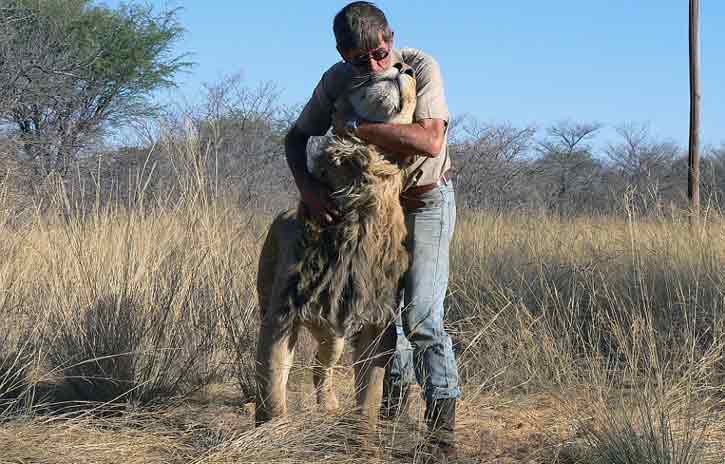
(388, 96)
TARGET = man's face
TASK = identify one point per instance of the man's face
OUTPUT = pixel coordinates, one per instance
(370, 61)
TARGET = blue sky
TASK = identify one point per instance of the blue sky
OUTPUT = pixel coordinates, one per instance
(525, 62)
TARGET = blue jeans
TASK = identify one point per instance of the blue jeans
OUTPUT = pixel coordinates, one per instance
(423, 346)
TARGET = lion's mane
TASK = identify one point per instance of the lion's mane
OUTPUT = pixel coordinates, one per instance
(345, 275)
(348, 273)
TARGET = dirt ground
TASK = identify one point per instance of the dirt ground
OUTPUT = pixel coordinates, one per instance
(216, 427)
(490, 428)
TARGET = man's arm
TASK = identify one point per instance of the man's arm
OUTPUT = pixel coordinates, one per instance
(424, 137)
(295, 147)
(315, 195)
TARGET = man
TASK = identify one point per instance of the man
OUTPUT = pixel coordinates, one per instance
(365, 42)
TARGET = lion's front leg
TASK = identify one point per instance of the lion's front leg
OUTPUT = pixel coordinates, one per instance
(374, 347)
(275, 353)
(329, 350)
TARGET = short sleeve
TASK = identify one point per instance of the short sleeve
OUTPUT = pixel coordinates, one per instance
(315, 118)
(431, 99)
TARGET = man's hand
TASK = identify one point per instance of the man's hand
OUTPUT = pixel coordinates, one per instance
(317, 197)
(339, 122)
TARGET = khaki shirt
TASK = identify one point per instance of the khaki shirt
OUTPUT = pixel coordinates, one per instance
(316, 117)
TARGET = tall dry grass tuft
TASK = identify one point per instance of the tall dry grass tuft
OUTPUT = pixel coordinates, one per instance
(625, 317)
(108, 303)
(539, 295)
(16, 357)
(650, 404)
(240, 320)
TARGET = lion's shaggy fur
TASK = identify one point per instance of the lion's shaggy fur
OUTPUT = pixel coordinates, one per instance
(347, 274)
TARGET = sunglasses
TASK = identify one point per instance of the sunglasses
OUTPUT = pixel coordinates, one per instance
(362, 60)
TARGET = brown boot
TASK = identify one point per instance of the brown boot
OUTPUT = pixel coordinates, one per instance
(440, 416)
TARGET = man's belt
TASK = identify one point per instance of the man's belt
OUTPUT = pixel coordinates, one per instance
(410, 199)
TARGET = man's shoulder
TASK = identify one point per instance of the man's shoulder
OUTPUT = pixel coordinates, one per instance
(415, 57)
(336, 78)
(339, 69)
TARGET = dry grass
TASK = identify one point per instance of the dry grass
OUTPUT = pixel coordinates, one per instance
(85, 441)
(628, 312)
(579, 340)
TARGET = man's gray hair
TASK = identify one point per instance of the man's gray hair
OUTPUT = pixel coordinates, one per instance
(358, 26)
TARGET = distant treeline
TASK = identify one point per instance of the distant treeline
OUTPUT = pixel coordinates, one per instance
(74, 75)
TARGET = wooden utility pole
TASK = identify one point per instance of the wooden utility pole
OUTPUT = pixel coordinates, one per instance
(693, 164)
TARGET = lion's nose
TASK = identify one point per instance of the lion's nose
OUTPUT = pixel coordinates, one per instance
(404, 69)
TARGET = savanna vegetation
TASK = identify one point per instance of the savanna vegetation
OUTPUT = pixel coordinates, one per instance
(586, 311)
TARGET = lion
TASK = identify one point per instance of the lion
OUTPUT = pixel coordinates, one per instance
(340, 281)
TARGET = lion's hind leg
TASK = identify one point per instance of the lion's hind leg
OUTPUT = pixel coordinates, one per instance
(276, 258)
(329, 350)
(278, 327)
